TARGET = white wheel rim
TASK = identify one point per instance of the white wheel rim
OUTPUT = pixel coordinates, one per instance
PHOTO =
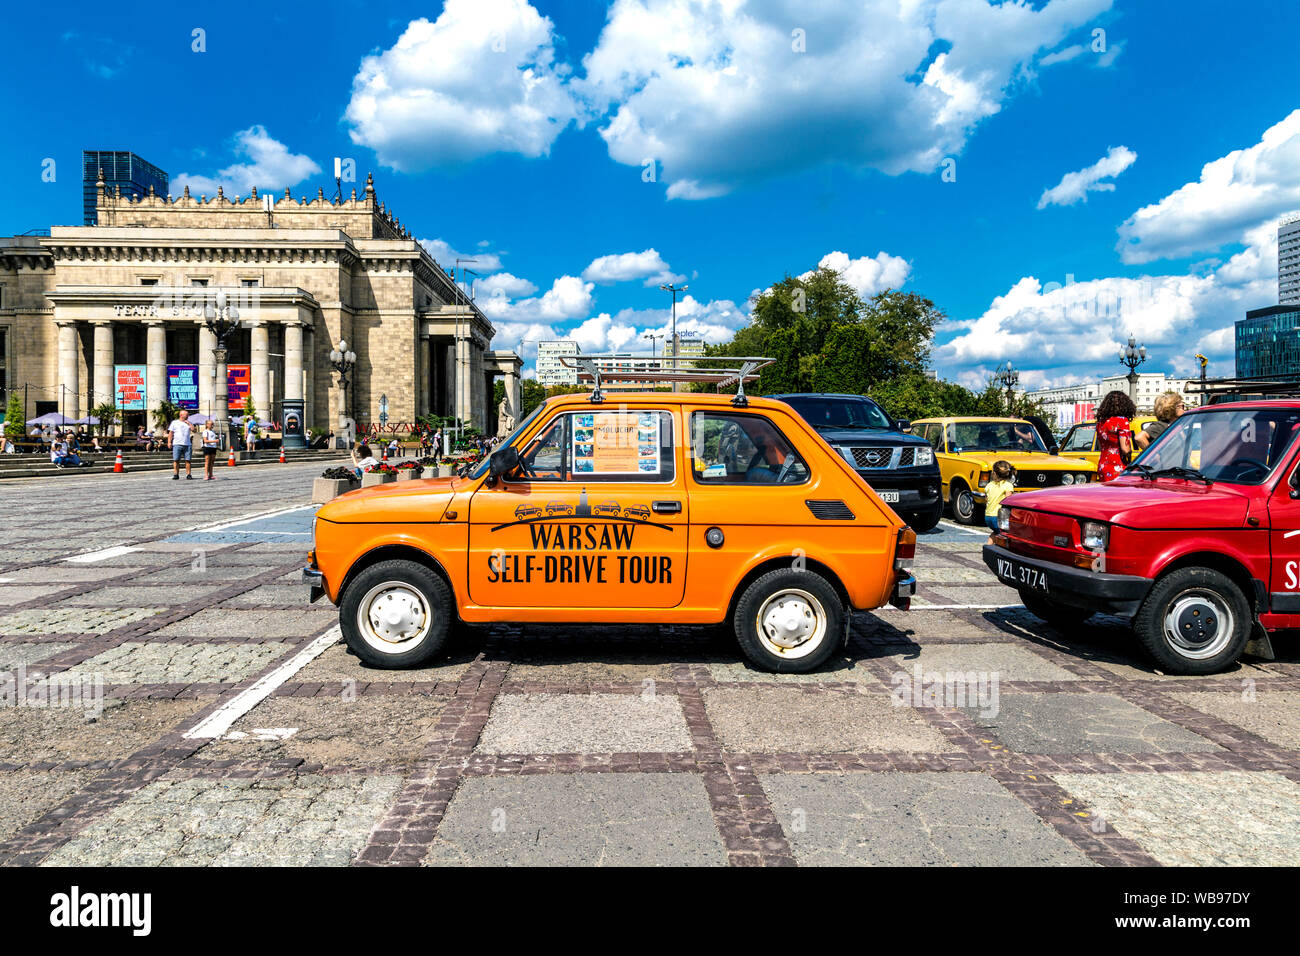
(393, 617)
(791, 624)
(1198, 625)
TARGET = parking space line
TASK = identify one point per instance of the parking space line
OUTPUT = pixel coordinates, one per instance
(962, 527)
(221, 719)
(103, 555)
(247, 519)
(951, 607)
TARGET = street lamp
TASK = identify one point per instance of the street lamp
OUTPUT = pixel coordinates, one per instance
(1133, 355)
(652, 336)
(1009, 378)
(342, 360)
(674, 289)
(220, 318)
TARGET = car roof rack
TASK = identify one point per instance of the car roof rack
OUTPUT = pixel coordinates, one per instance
(714, 369)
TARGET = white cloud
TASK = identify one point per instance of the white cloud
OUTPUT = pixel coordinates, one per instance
(503, 284)
(867, 275)
(445, 255)
(1235, 193)
(626, 266)
(569, 297)
(270, 167)
(717, 94)
(480, 79)
(1075, 186)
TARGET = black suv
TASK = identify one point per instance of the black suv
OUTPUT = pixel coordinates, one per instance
(900, 468)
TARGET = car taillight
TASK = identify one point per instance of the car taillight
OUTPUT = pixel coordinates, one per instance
(905, 550)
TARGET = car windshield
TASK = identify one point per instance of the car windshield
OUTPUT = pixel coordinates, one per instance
(993, 436)
(840, 412)
(482, 468)
(1241, 447)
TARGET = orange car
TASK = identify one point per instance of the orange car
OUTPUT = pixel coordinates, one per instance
(685, 509)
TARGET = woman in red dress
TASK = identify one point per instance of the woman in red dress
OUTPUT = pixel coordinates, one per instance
(1114, 439)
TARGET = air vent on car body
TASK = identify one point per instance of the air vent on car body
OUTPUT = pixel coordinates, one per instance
(833, 510)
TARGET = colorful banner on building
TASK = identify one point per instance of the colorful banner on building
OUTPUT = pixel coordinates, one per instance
(128, 388)
(183, 386)
(237, 379)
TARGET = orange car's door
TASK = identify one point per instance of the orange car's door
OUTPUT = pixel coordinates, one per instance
(598, 518)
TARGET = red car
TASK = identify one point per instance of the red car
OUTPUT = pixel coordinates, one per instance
(1197, 542)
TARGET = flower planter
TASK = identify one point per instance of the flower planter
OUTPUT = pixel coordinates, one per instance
(323, 489)
(446, 471)
(376, 478)
(408, 474)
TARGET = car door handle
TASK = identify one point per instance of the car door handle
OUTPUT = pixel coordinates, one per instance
(667, 507)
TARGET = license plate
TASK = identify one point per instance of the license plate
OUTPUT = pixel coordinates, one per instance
(889, 496)
(1021, 575)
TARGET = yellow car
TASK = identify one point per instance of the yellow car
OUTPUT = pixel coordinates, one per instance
(968, 447)
(1081, 440)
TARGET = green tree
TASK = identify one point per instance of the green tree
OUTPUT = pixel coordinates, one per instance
(15, 429)
(164, 413)
(106, 412)
(531, 394)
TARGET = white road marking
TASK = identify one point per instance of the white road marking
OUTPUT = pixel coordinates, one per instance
(221, 719)
(952, 607)
(247, 519)
(962, 527)
(101, 555)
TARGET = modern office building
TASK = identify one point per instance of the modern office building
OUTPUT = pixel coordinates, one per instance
(550, 370)
(115, 312)
(122, 171)
(1288, 261)
(1268, 343)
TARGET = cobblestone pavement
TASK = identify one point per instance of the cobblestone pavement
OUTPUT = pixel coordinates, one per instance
(962, 732)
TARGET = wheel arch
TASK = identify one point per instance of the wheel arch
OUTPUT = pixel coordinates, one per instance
(396, 552)
(774, 564)
(1225, 564)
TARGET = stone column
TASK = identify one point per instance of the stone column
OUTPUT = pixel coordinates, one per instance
(69, 392)
(513, 396)
(155, 370)
(207, 372)
(464, 382)
(260, 360)
(293, 361)
(309, 376)
(103, 374)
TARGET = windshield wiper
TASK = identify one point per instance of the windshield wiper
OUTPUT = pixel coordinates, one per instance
(1143, 470)
(1178, 471)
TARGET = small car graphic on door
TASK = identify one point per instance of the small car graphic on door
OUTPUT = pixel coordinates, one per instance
(558, 508)
(525, 511)
(636, 511)
(611, 508)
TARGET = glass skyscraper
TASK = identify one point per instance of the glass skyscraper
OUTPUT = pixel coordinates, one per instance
(1268, 343)
(121, 168)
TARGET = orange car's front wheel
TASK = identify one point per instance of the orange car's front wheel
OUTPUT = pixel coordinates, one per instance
(397, 614)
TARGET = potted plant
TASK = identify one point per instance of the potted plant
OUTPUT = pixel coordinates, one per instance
(332, 483)
(380, 474)
(446, 466)
(408, 470)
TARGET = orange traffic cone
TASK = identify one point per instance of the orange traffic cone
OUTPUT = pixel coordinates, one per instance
(231, 462)
(117, 465)
(385, 458)
(282, 454)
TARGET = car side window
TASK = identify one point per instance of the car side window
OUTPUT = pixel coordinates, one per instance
(736, 448)
(1081, 438)
(594, 446)
(934, 435)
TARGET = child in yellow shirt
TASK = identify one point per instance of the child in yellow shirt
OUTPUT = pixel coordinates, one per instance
(1001, 484)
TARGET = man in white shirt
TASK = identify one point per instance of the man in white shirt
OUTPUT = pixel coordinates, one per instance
(180, 439)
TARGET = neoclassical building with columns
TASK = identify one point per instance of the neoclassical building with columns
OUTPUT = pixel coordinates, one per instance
(305, 274)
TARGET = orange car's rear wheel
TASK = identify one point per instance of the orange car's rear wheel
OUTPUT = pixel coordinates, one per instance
(789, 621)
(397, 614)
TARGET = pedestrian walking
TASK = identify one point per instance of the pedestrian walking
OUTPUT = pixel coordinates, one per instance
(1114, 437)
(210, 441)
(180, 439)
(1169, 406)
(250, 433)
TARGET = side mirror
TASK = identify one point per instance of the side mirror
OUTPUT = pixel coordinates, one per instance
(1055, 449)
(903, 425)
(1294, 482)
(503, 461)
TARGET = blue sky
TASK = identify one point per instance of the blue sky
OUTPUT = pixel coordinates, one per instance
(778, 137)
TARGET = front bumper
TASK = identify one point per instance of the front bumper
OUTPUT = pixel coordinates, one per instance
(316, 582)
(916, 492)
(1120, 594)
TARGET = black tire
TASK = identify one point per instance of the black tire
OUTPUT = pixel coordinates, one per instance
(824, 614)
(923, 521)
(1061, 616)
(1194, 621)
(423, 601)
(964, 507)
